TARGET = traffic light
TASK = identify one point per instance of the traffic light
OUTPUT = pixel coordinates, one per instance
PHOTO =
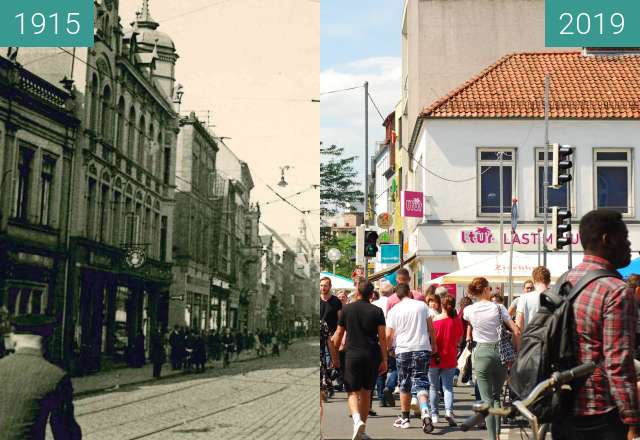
(370, 243)
(358, 247)
(560, 226)
(561, 165)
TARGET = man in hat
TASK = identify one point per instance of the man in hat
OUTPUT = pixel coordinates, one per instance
(34, 390)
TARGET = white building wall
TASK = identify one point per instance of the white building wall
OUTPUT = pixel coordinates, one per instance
(381, 196)
(449, 147)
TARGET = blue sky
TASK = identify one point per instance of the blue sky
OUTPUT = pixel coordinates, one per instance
(356, 29)
(360, 41)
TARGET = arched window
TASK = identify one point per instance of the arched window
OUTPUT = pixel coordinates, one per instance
(93, 113)
(105, 114)
(119, 143)
(131, 131)
(141, 140)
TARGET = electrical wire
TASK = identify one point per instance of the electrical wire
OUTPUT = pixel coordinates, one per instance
(340, 90)
(422, 166)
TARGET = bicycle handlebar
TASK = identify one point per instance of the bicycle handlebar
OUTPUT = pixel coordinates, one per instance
(563, 377)
(558, 378)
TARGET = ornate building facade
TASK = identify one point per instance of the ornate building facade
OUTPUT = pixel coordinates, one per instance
(122, 188)
(38, 130)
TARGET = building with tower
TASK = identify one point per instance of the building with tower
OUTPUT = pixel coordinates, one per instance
(123, 185)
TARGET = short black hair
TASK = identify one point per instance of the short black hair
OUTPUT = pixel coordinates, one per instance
(595, 224)
(365, 288)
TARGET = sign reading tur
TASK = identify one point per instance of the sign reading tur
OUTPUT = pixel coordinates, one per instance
(412, 204)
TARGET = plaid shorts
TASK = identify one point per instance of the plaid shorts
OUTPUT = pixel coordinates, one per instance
(413, 369)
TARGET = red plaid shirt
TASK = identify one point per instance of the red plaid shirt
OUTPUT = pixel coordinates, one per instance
(605, 316)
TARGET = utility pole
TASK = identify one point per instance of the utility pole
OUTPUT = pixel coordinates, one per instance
(366, 168)
(500, 158)
(546, 168)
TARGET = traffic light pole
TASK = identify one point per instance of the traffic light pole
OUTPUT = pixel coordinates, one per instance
(570, 251)
(546, 169)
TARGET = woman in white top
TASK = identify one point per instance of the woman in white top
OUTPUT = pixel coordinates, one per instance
(485, 317)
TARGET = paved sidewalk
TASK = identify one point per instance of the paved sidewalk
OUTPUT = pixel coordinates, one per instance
(118, 377)
(337, 426)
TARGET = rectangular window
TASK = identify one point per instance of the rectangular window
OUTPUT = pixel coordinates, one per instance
(556, 197)
(48, 165)
(489, 179)
(166, 175)
(91, 208)
(613, 179)
(163, 238)
(25, 162)
(116, 218)
(104, 213)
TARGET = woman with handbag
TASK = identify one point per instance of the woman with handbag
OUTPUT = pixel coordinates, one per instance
(493, 347)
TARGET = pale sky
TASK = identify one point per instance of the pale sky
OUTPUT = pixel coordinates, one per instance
(360, 42)
(255, 65)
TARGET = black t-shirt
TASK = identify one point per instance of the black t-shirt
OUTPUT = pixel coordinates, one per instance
(331, 316)
(361, 320)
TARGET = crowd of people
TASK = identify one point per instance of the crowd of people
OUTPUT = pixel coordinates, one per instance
(191, 350)
(398, 341)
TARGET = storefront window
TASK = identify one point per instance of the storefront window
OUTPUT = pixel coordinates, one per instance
(120, 337)
(223, 313)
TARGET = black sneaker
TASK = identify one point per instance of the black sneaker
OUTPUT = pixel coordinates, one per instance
(372, 413)
(427, 426)
(388, 397)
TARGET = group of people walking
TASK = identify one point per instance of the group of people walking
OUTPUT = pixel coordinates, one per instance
(409, 341)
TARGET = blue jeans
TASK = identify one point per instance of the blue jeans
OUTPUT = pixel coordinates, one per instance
(446, 376)
(413, 371)
(388, 380)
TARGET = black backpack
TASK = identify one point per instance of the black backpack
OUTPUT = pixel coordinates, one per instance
(547, 345)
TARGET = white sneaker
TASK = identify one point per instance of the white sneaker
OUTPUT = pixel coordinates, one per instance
(358, 429)
(396, 391)
(434, 418)
(401, 423)
(365, 436)
(415, 407)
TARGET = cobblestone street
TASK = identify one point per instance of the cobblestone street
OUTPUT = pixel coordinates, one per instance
(259, 399)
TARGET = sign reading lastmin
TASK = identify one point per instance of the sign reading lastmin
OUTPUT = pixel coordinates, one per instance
(46, 23)
(592, 23)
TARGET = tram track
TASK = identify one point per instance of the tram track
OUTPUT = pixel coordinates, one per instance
(80, 414)
(253, 399)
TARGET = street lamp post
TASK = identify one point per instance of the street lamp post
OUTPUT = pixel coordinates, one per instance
(334, 256)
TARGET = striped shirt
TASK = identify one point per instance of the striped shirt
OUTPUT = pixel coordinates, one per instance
(605, 316)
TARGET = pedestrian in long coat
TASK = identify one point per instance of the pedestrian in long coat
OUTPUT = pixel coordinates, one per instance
(158, 353)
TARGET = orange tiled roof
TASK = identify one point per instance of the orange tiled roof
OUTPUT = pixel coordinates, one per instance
(582, 87)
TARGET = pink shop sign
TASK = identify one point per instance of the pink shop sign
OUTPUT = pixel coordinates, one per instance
(412, 203)
(484, 235)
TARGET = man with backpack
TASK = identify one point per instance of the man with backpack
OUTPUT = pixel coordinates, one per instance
(590, 315)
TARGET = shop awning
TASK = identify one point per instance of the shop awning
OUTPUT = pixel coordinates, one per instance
(391, 269)
(337, 281)
(495, 267)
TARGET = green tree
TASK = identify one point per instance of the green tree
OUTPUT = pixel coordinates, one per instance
(343, 242)
(338, 184)
(338, 191)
